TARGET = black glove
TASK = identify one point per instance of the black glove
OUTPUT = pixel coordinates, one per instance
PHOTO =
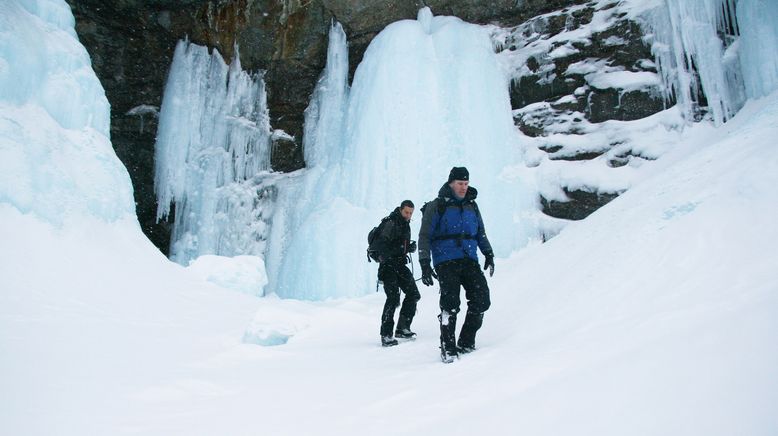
(412, 247)
(489, 264)
(426, 272)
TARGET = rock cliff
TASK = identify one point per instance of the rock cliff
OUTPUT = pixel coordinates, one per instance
(131, 43)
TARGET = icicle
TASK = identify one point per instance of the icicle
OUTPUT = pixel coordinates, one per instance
(689, 55)
(424, 17)
(324, 116)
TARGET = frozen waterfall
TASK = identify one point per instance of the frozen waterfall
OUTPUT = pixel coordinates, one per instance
(728, 49)
(428, 95)
(213, 139)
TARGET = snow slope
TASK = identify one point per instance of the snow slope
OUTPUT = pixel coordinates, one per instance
(656, 315)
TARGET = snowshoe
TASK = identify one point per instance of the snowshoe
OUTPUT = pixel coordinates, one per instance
(387, 341)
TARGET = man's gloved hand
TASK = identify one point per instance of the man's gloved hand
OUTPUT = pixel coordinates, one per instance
(412, 247)
(426, 272)
(489, 264)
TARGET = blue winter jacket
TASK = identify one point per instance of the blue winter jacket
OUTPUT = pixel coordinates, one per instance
(452, 229)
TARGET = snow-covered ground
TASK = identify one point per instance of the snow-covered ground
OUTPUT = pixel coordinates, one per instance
(656, 315)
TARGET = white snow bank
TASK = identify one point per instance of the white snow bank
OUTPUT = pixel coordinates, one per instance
(240, 273)
(59, 174)
(94, 322)
(664, 318)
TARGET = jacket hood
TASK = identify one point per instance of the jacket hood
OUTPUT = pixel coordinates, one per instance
(445, 192)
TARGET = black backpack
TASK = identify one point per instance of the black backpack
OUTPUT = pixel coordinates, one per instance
(372, 241)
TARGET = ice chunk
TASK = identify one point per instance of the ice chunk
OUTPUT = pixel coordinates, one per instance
(244, 274)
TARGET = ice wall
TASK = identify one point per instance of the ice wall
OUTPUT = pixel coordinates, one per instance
(213, 139)
(427, 96)
(56, 159)
(725, 48)
(758, 24)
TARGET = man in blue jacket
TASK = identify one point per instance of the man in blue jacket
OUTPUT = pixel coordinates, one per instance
(451, 232)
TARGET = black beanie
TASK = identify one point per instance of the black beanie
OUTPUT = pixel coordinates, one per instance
(458, 173)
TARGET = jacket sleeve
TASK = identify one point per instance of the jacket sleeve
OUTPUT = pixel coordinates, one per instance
(428, 221)
(483, 241)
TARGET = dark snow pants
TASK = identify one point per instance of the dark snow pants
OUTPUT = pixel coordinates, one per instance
(467, 274)
(396, 276)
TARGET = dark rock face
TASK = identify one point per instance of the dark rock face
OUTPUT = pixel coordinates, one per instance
(581, 204)
(557, 94)
(131, 53)
(610, 104)
(131, 43)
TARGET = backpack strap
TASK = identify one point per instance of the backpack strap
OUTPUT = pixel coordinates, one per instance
(458, 236)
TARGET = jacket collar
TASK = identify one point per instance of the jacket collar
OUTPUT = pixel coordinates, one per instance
(447, 194)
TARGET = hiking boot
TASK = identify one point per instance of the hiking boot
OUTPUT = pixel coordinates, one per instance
(448, 356)
(465, 349)
(405, 334)
(388, 341)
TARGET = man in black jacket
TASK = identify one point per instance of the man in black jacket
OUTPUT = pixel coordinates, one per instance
(394, 244)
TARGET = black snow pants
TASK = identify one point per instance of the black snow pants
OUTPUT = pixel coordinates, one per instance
(451, 275)
(396, 276)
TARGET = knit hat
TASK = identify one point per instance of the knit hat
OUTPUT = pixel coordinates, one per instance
(458, 173)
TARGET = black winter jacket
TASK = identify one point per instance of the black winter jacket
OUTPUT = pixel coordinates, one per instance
(394, 238)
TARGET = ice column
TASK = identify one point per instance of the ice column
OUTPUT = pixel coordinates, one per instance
(213, 139)
(298, 251)
(427, 96)
(758, 24)
(324, 116)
